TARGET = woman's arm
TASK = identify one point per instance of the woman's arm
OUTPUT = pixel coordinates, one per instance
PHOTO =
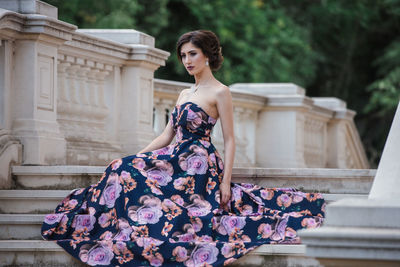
(225, 111)
(162, 140)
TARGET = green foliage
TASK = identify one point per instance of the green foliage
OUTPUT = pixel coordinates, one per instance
(386, 90)
(341, 48)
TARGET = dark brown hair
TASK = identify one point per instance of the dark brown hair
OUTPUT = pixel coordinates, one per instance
(207, 41)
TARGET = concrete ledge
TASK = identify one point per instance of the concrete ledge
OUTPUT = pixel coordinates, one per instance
(333, 181)
(32, 194)
(20, 226)
(60, 169)
(352, 243)
(30, 201)
(380, 213)
(21, 218)
(34, 253)
(349, 181)
(48, 253)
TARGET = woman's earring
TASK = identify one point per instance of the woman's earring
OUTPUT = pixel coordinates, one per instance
(207, 63)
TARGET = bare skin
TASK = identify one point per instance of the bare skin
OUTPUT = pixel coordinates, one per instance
(216, 100)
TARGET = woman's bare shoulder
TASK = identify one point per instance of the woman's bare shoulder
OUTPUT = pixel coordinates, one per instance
(223, 91)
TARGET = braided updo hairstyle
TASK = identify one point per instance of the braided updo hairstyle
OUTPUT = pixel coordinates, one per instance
(208, 42)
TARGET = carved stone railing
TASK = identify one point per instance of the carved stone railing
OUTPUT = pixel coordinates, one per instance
(74, 96)
(277, 126)
(298, 131)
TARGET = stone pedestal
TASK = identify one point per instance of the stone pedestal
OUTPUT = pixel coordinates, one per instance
(34, 108)
(135, 129)
(360, 232)
(31, 78)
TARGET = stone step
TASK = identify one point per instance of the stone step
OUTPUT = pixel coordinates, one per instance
(334, 181)
(15, 225)
(45, 201)
(20, 226)
(30, 201)
(47, 253)
(55, 177)
(35, 253)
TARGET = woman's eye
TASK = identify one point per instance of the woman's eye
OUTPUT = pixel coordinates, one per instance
(192, 54)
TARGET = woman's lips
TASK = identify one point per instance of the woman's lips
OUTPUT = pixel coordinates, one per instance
(190, 67)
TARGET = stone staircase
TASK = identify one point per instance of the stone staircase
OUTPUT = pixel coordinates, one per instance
(37, 190)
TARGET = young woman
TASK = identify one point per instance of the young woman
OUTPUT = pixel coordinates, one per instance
(174, 204)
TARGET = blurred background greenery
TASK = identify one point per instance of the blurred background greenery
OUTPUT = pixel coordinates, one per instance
(346, 49)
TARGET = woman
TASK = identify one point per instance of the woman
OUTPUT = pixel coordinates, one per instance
(171, 204)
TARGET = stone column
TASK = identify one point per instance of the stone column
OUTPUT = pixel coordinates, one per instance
(33, 113)
(387, 180)
(280, 127)
(34, 103)
(364, 232)
(136, 95)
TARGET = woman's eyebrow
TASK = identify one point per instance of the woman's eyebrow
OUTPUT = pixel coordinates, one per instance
(188, 51)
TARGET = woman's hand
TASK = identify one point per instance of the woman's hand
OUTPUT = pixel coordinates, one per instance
(225, 193)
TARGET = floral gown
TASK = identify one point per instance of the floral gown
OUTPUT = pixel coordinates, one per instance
(161, 208)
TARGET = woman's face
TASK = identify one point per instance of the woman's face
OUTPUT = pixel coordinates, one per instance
(193, 58)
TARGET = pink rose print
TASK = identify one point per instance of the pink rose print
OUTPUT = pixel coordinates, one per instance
(197, 164)
(110, 193)
(53, 218)
(160, 176)
(228, 250)
(124, 235)
(211, 120)
(205, 143)
(265, 230)
(267, 194)
(115, 164)
(107, 235)
(84, 222)
(203, 254)
(237, 193)
(167, 150)
(96, 255)
(310, 223)
(103, 220)
(178, 200)
(138, 163)
(179, 135)
(220, 164)
(149, 215)
(188, 237)
(280, 229)
(298, 197)
(157, 260)
(284, 200)
(180, 254)
(231, 224)
(199, 206)
(194, 119)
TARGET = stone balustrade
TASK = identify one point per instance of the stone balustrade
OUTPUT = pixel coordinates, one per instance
(84, 97)
(277, 126)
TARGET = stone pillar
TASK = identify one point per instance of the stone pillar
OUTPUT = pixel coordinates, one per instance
(136, 111)
(37, 34)
(387, 180)
(280, 127)
(364, 232)
(35, 103)
(136, 92)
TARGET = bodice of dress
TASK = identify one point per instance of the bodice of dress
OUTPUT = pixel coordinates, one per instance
(190, 121)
